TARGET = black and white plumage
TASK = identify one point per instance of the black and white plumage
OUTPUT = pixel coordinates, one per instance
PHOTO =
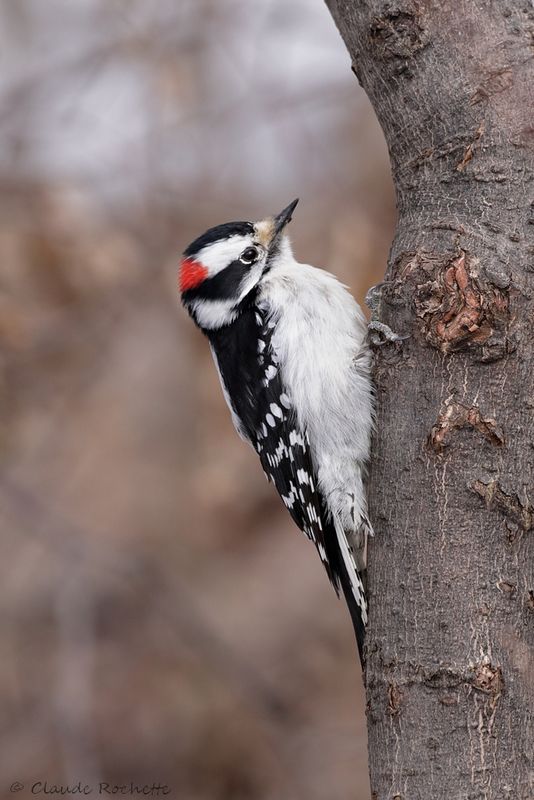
(290, 345)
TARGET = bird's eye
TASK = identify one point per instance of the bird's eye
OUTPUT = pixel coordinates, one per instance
(249, 256)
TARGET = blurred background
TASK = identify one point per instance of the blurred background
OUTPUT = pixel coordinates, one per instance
(161, 617)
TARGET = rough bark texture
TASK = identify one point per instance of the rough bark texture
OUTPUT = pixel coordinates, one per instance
(450, 676)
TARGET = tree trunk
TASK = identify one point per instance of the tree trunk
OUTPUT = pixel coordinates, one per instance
(450, 673)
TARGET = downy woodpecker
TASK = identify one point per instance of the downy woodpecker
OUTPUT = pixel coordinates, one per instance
(290, 346)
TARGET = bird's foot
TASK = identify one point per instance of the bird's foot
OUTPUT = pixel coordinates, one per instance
(380, 333)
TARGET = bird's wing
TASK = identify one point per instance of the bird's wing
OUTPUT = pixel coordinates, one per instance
(264, 415)
(284, 451)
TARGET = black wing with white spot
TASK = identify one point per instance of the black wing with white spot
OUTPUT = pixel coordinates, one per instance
(263, 414)
(284, 451)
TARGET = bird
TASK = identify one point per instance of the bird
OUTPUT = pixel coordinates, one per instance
(291, 349)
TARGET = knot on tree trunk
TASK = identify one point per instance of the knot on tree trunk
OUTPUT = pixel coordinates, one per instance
(398, 31)
(456, 307)
(455, 416)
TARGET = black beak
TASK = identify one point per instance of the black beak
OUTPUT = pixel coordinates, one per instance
(284, 217)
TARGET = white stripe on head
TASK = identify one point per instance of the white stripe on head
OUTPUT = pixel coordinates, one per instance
(219, 255)
(211, 314)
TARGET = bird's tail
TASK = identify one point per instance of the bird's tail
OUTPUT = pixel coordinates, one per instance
(358, 613)
(351, 577)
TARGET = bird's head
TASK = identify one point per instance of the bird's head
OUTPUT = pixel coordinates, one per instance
(221, 268)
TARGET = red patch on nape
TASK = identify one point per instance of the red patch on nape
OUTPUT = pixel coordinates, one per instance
(191, 274)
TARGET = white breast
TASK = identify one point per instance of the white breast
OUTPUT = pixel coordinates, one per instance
(319, 336)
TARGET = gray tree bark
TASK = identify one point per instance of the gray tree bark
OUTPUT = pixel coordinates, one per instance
(450, 673)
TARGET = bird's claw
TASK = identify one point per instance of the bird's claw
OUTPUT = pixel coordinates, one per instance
(380, 334)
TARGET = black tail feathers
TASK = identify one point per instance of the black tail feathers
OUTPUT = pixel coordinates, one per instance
(341, 578)
(355, 611)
